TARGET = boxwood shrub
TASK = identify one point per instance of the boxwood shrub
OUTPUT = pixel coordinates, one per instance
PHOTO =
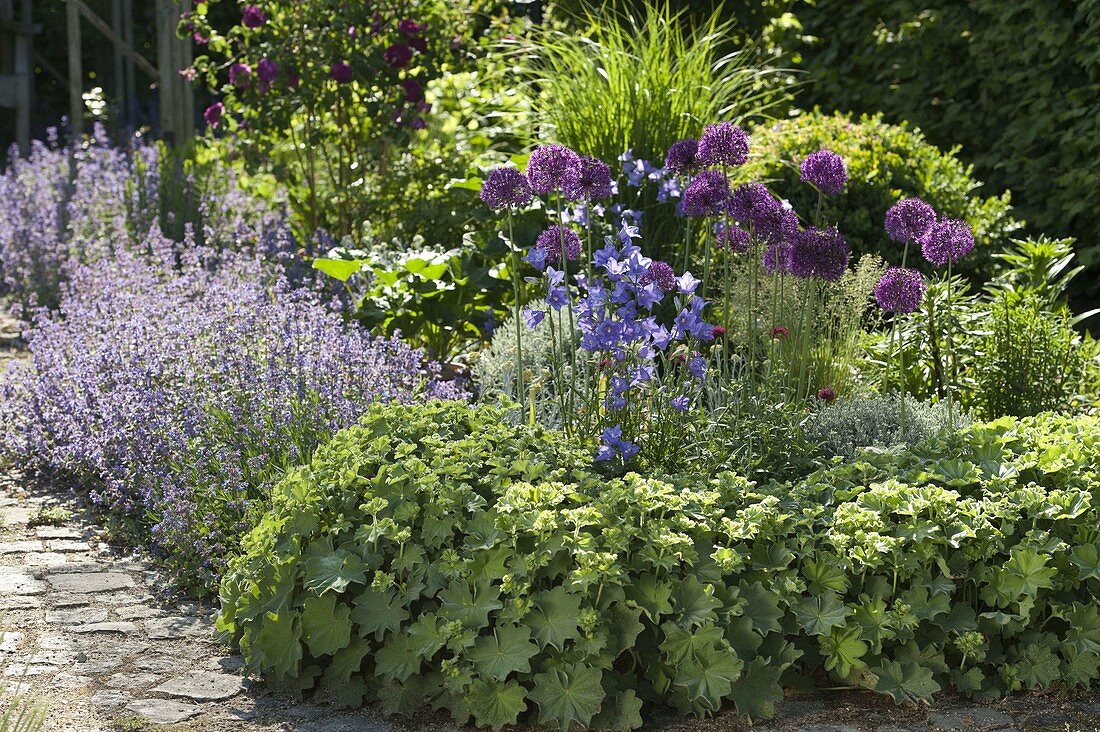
(437, 555)
(885, 162)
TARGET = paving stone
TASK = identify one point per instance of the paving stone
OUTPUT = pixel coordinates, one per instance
(84, 582)
(229, 664)
(70, 681)
(124, 627)
(131, 681)
(60, 601)
(68, 545)
(20, 602)
(20, 547)
(97, 666)
(160, 664)
(19, 582)
(29, 669)
(54, 642)
(969, 720)
(77, 616)
(59, 532)
(14, 516)
(172, 628)
(54, 658)
(9, 640)
(110, 699)
(164, 711)
(347, 723)
(51, 560)
(138, 612)
(202, 686)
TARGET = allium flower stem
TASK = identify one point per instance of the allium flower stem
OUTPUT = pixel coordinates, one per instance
(948, 372)
(900, 345)
(517, 288)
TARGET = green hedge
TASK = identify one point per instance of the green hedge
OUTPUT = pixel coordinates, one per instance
(435, 555)
(885, 162)
(1016, 84)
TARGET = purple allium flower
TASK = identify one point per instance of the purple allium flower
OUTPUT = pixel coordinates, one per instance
(414, 92)
(826, 394)
(900, 290)
(398, 55)
(505, 187)
(723, 144)
(683, 156)
(213, 114)
(662, 274)
(592, 181)
(820, 253)
(733, 238)
(239, 75)
(340, 72)
(825, 170)
(253, 16)
(267, 70)
(706, 194)
(552, 239)
(553, 168)
(681, 403)
(777, 257)
(947, 241)
(908, 220)
(410, 27)
(753, 205)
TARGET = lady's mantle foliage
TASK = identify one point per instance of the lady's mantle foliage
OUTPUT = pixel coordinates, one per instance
(437, 555)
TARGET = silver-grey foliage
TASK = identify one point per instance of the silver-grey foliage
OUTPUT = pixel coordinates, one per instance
(875, 421)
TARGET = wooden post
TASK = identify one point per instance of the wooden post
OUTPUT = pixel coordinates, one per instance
(176, 103)
(119, 90)
(24, 79)
(129, 89)
(76, 73)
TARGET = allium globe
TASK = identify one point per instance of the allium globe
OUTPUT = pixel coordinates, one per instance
(724, 144)
(554, 238)
(213, 114)
(340, 72)
(505, 187)
(947, 241)
(824, 170)
(253, 16)
(662, 274)
(592, 181)
(553, 168)
(683, 156)
(820, 253)
(733, 238)
(900, 290)
(753, 205)
(908, 220)
(706, 194)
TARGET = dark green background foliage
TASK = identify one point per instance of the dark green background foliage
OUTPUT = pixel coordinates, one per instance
(434, 555)
(885, 162)
(1016, 84)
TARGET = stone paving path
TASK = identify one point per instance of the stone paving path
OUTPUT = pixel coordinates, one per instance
(88, 637)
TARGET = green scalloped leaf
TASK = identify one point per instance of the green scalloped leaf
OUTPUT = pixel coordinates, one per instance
(762, 605)
(819, 615)
(470, 604)
(570, 694)
(395, 660)
(757, 691)
(333, 572)
(326, 628)
(843, 650)
(276, 647)
(620, 713)
(508, 650)
(555, 618)
(695, 602)
(905, 683)
(709, 676)
(376, 611)
(496, 704)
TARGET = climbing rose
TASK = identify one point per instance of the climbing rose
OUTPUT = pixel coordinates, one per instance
(213, 114)
(340, 72)
(253, 16)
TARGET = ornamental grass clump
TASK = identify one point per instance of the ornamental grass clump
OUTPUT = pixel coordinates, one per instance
(177, 394)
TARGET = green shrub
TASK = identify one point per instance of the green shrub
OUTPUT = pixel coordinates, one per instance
(1033, 361)
(438, 555)
(885, 163)
(1012, 83)
(875, 421)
